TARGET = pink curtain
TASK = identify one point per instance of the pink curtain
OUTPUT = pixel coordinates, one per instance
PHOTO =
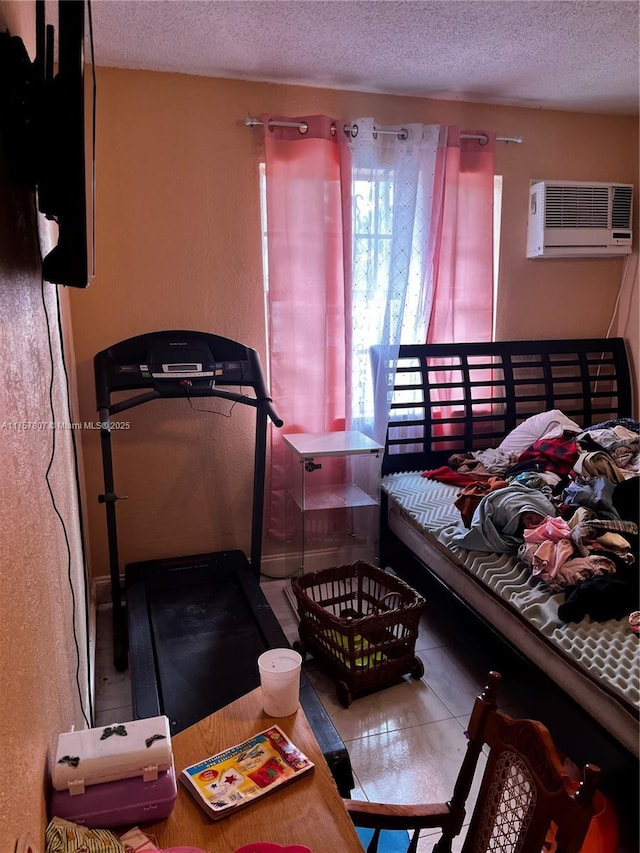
(462, 299)
(306, 311)
(309, 266)
(462, 302)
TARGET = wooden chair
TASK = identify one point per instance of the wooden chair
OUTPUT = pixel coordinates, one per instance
(526, 801)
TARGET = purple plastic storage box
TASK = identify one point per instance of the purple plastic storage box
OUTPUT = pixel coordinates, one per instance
(125, 801)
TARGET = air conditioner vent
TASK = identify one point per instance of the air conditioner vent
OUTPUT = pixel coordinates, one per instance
(576, 219)
(621, 207)
(576, 207)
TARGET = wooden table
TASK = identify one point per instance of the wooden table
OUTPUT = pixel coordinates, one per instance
(308, 811)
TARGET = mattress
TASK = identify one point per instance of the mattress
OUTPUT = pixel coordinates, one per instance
(598, 663)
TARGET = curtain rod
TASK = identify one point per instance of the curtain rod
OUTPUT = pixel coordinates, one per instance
(352, 129)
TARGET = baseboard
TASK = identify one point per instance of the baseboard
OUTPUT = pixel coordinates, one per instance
(102, 590)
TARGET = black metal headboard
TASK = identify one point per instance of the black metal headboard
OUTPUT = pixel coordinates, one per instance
(450, 398)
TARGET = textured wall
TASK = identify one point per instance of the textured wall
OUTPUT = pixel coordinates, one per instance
(39, 575)
(178, 245)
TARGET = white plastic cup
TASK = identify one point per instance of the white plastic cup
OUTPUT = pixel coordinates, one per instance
(280, 681)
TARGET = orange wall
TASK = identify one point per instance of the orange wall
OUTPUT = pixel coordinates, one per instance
(40, 579)
(178, 246)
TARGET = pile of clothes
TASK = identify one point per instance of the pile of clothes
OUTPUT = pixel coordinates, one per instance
(568, 504)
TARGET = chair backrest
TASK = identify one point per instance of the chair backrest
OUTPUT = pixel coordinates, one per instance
(526, 802)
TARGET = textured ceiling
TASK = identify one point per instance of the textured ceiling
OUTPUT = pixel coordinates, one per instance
(561, 54)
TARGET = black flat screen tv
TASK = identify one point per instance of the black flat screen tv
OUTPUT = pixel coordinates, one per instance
(49, 147)
(62, 184)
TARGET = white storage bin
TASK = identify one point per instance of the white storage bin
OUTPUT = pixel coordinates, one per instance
(108, 753)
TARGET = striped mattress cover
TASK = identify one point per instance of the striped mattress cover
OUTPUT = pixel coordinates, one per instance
(598, 662)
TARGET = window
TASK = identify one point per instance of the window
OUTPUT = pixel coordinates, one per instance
(373, 210)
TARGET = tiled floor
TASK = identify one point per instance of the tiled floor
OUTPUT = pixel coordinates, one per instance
(405, 742)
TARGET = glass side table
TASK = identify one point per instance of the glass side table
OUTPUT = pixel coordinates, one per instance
(334, 497)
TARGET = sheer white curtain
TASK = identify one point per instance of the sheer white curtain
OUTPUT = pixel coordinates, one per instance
(394, 207)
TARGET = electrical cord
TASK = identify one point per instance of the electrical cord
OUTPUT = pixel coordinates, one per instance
(228, 415)
(88, 719)
(615, 310)
(211, 411)
(55, 506)
(623, 279)
(76, 471)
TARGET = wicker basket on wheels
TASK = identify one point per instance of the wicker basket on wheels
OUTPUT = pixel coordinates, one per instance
(361, 624)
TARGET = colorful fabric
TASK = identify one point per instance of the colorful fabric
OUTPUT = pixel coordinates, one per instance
(552, 529)
(469, 498)
(391, 840)
(552, 454)
(445, 474)
(595, 493)
(598, 463)
(360, 646)
(593, 531)
(536, 480)
(553, 563)
(62, 836)
(547, 558)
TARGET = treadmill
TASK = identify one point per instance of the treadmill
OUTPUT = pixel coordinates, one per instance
(191, 628)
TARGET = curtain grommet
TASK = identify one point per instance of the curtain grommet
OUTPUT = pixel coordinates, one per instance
(353, 130)
(304, 128)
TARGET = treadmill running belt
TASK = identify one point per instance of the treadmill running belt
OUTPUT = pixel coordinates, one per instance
(198, 634)
(196, 627)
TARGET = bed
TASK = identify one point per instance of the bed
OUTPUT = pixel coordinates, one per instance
(460, 402)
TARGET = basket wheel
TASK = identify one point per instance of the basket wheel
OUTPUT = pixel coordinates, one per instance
(343, 693)
(299, 647)
(417, 668)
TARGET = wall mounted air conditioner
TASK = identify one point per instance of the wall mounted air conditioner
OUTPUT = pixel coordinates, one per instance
(574, 219)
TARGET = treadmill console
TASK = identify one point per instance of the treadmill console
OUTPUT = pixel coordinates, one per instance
(188, 362)
(178, 359)
(173, 363)
(212, 372)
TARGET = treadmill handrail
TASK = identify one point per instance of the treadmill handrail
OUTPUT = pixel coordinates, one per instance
(139, 399)
(267, 404)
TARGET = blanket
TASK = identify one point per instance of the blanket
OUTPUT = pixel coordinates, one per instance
(497, 524)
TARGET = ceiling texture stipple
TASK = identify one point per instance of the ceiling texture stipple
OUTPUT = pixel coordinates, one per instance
(578, 55)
